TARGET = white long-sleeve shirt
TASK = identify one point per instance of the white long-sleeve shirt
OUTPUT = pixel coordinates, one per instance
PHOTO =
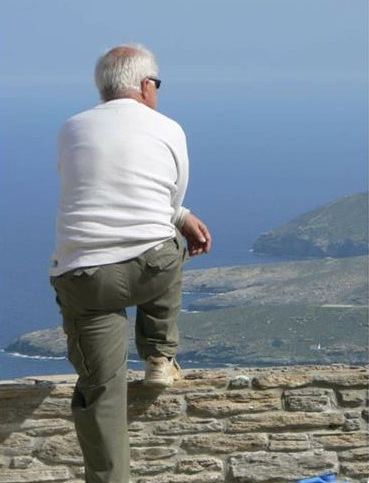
(123, 171)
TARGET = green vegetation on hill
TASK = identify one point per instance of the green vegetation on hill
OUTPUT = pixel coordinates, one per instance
(343, 218)
(309, 282)
(252, 335)
(288, 334)
(337, 229)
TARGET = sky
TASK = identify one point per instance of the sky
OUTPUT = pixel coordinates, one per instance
(280, 78)
(57, 41)
(282, 64)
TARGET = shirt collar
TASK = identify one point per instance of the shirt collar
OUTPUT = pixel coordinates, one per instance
(115, 102)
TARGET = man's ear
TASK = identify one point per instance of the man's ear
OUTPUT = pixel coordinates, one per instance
(145, 88)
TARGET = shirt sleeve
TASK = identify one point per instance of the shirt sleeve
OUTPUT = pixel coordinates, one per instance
(180, 216)
(181, 158)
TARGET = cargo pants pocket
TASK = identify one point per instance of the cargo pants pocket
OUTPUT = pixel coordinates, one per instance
(76, 355)
(164, 256)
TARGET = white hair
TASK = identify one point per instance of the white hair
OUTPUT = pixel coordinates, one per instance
(122, 68)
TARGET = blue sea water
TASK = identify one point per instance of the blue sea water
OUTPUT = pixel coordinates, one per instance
(259, 156)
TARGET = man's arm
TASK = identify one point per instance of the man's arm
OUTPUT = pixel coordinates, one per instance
(192, 228)
(197, 235)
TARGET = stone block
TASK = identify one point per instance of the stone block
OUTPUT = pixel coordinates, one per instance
(156, 453)
(49, 427)
(355, 470)
(206, 477)
(282, 380)
(188, 426)
(353, 455)
(239, 382)
(62, 390)
(25, 390)
(54, 408)
(289, 442)
(147, 440)
(224, 444)
(264, 467)
(352, 398)
(53, 380)
(209, 384)
(353, 378)
(352, 425)
(38, 427)
(61, 449)
(183, 389)
(4, 462)
(197, 465)
(19, 409)
(340, 441)
(141, 468)
(309, 399)
(150, 408)
(281, 421)
(38, 475)
(21, 462)
(205, 377)
(17, 444)
(79, 471)
(352, 414)
(135, 427)
(232, 402)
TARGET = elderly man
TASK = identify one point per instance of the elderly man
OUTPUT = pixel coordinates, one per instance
(124, 172)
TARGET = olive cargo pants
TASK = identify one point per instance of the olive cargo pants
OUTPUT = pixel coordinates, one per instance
(92, 301)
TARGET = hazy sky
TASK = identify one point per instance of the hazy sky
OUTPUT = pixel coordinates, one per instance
(198, 40)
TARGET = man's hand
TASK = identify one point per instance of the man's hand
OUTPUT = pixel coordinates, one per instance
(197, 235)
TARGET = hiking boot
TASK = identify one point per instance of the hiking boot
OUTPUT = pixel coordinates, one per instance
(161, 371)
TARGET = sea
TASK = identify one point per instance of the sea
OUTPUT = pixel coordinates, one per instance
(260, 154)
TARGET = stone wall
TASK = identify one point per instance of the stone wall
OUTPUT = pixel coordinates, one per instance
(235, 425)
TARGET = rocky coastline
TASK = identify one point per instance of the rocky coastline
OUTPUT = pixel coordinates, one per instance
(338, 229)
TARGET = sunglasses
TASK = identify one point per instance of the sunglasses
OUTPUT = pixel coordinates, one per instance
(156, 81)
